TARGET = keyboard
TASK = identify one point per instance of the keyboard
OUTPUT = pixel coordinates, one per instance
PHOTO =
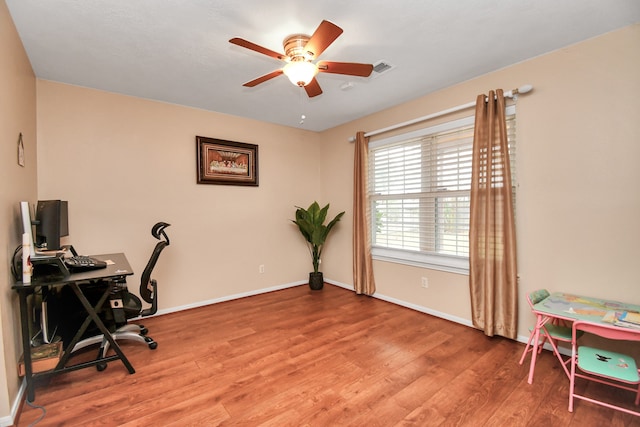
(82, 262)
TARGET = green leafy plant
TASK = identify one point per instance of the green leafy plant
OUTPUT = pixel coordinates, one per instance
(310, 221)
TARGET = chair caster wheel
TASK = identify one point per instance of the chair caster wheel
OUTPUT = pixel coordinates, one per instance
(101, 367)
(153, 345)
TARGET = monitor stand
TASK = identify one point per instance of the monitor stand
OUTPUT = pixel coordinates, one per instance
(51, 265)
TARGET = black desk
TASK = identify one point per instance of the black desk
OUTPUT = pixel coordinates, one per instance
(117, 268)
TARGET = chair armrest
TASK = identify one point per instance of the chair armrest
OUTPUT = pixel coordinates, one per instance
(154, 302)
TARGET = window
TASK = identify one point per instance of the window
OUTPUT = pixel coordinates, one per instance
(420, 185)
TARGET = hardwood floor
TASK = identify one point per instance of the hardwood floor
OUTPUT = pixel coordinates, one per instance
(297, 357)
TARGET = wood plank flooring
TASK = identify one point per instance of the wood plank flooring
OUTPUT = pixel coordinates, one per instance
(297, 357)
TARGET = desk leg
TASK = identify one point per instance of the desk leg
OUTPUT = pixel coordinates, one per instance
(26, 345)
(96, 319)
(87, 321)
(540, 322)
(534, 351)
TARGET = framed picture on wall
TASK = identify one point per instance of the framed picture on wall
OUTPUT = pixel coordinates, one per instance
(226, 162)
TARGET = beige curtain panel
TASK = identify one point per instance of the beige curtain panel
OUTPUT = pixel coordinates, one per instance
(363, 281)
(492, 239)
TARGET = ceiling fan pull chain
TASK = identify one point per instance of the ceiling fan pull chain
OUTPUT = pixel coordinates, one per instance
(302, 116)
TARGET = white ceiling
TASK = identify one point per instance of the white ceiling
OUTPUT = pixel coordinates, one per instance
(177, 51)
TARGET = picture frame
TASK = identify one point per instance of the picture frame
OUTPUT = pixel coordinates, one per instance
(225, 162)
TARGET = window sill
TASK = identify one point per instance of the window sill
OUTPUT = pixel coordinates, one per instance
(450, 264)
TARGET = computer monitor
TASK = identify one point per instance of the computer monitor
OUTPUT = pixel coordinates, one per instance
(52, 223)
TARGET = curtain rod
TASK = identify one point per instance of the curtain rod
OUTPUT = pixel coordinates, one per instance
(509, 94)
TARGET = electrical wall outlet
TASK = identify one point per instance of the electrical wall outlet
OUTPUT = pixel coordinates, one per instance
(261, 268)
(425, 282)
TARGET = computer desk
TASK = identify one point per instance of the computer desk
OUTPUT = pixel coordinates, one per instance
(117, 267)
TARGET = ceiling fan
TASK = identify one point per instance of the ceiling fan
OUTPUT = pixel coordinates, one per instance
(300, 52)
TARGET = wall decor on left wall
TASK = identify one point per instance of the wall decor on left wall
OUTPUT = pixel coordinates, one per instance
(20, 151)
(226, 162)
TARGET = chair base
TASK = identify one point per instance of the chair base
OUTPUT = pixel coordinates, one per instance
(130, 331)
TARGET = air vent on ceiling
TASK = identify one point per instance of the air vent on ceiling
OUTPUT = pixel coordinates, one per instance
(380, 68)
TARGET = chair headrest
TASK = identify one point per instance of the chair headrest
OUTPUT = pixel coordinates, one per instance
(157, 231)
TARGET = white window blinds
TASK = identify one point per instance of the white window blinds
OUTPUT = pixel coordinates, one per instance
(419, 186)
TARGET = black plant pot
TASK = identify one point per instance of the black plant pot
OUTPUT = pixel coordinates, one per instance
(316, 281)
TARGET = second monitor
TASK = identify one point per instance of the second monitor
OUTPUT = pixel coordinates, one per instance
(52, 223)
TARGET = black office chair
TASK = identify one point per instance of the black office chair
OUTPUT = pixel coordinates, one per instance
(125, 305)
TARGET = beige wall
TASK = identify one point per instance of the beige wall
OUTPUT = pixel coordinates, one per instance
(124, 163)
(17, 115)
(578, 145)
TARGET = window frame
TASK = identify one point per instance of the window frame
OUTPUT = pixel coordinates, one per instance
(449, 263)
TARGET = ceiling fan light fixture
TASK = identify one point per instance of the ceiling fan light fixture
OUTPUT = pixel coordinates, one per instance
(300, 72)
(300, 52)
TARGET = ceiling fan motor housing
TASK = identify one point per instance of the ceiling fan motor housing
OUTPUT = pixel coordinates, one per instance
(294, 48)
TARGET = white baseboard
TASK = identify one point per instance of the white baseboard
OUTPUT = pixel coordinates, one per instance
(229, 298)
(10, 420)
(412, 306)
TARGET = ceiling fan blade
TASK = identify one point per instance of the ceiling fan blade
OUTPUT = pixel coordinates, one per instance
(325, 34)
(252, 46)
(313, 88)
(263, 79)
(348, 68)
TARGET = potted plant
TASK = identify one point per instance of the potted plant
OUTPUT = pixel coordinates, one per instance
(311, 224)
